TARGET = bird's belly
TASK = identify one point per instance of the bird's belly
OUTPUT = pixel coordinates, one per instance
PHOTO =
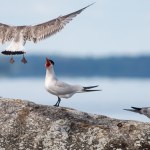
(66, 95)
(52, 92)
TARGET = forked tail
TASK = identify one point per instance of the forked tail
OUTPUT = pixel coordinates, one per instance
(86, 89)
(135, 109)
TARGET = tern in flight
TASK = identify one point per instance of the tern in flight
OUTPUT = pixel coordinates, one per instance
(59, 88)
(20, 34)
(144, 110)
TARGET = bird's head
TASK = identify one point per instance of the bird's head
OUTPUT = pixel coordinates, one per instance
(49, 63)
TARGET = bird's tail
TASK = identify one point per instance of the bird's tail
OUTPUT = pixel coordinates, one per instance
(135, 109)
(16, 47)
(86, 89)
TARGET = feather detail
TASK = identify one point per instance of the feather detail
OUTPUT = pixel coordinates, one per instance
(35, 33)
(50, 28)
(16, 47)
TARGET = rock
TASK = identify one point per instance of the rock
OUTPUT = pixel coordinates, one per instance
(27, 126)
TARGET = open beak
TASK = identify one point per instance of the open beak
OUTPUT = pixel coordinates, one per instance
(48, 63)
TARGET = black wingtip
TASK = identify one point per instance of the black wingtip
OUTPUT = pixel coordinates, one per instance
(91, 90)
(136, 108)
(89, 87)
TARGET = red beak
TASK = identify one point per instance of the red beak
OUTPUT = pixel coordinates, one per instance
(48, 63)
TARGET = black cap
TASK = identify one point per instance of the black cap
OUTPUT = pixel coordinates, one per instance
(51, 62)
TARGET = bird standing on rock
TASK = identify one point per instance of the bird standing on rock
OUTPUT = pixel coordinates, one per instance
(59, 88)
(35, 33)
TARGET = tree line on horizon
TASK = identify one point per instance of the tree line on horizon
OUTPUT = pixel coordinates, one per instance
(137, 67)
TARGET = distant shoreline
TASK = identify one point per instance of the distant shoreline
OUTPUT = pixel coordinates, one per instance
(110, 67)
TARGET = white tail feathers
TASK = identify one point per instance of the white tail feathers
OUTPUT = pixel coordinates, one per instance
(16, 46)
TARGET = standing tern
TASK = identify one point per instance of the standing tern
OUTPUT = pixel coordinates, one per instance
(36, 33)
(59, 88)
(144, 110)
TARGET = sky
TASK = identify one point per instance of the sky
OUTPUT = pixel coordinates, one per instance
(107, 28)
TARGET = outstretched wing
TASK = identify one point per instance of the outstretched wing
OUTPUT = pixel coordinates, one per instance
(7, 32)
(47, 29)
(37, 32)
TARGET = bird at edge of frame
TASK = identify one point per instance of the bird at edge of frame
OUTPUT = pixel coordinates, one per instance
(59, 88)
(36, 33)
(144, 110)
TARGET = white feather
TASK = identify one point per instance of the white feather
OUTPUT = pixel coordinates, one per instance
(17, 45)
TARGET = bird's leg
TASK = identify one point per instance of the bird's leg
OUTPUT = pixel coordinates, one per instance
(59, 101)
(24, 60)
(57, 104)
(11, 60)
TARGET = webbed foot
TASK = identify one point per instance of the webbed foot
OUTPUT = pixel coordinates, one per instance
(24, 60)
(11, 60)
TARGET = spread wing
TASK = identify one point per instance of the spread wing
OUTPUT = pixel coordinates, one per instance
(37, 32)
(47, 29)
(7, 32)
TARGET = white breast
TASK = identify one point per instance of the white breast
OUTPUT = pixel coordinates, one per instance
(49, 84)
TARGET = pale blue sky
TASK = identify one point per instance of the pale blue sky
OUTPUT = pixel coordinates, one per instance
(109, 27)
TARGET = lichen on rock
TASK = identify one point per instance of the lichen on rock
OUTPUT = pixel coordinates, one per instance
(27, 126)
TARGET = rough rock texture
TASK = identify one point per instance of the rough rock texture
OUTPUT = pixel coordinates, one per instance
(25, 125)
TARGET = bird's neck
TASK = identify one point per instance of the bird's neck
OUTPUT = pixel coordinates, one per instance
(50, 73)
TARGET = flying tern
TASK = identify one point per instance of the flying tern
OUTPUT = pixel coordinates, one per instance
(59, 88)
(36, 33)
(144, 110)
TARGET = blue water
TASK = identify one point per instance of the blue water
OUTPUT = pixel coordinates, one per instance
(116, 95)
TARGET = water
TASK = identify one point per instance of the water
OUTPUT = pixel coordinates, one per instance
(116, 95)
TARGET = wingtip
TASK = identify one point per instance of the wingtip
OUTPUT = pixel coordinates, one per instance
(129, 110)
(136, 108)
(95, 86)
(91, 4)
(90, 90)
(88, 6)
(98, 90)
(90, 87)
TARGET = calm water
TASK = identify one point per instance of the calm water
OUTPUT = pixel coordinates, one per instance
(116, 95)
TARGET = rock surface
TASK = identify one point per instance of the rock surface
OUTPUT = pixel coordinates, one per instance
(27, 126)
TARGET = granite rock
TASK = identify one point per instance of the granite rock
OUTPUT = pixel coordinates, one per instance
(27, 126)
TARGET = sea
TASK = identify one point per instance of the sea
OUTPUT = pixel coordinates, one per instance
(117, 94)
